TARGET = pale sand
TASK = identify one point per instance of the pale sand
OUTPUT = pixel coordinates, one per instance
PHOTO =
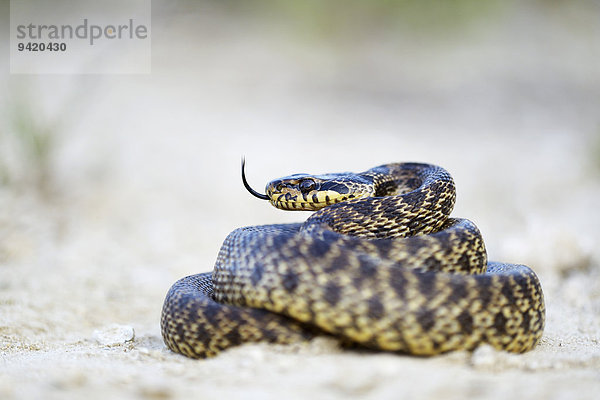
(147, 186)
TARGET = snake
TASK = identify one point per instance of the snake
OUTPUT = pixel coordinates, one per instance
(379, 265)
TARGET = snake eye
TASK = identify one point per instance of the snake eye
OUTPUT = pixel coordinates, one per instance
(307, 185)
(278, 188)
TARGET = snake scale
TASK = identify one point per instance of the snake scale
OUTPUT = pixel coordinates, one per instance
(379, 264)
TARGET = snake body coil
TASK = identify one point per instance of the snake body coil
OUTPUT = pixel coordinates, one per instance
(380, 264)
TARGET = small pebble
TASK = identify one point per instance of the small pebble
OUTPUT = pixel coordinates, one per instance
(484, 357)
(114, 335)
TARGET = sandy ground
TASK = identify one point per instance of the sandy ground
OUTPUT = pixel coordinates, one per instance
(142, 185)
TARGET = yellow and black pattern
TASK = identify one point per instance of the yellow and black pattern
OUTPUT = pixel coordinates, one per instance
(379, 264)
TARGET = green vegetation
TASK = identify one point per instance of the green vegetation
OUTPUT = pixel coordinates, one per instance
(28, 142)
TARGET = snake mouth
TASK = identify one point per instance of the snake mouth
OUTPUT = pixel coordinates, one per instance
(296, 201)
(297, 205)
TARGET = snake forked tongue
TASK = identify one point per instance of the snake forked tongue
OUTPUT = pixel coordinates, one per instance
(247, 186)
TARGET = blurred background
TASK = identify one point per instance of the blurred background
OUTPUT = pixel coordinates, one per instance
(114, 186)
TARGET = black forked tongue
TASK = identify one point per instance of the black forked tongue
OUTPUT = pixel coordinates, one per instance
(247, 186)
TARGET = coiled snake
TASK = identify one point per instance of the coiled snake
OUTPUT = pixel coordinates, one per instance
(379, 264)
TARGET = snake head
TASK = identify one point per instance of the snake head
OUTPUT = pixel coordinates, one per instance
(305, 192)
(313, 192)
